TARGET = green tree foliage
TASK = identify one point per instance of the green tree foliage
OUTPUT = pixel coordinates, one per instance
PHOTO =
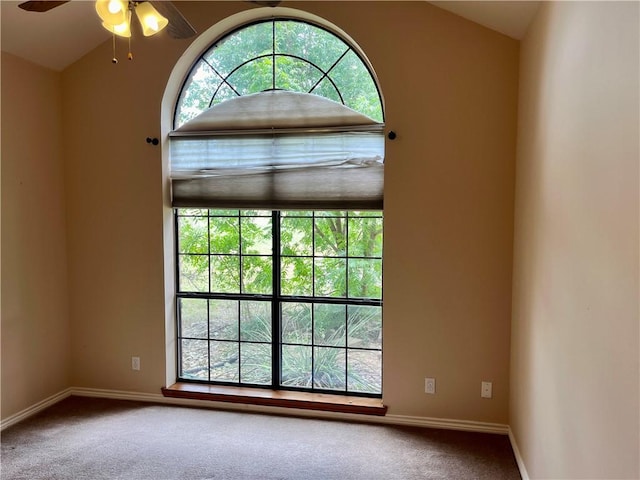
(231, 252)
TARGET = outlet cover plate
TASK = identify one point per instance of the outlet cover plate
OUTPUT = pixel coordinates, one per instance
(430, 385)
(486, 390)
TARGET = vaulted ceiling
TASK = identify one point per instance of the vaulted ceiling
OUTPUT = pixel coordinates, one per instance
(61, 36)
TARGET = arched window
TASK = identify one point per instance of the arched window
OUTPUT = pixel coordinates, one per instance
(277, 180)
(279, 54)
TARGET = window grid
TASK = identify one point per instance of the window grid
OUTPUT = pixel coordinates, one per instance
(224, 86)
(277, 300)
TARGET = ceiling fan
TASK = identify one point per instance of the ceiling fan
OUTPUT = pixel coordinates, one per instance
(116, 16)
(168, 15)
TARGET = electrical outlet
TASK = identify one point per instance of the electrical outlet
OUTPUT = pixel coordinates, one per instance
(486, 390)
(135, 363)
(430, 385)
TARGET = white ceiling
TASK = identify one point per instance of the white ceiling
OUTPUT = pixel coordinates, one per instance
(59, 37)
(511, 18)
(53, 39)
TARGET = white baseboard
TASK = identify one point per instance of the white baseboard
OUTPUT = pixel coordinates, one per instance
(32, 410)
(443, 423)
(448, 424)
(516, 452)
(117, 394)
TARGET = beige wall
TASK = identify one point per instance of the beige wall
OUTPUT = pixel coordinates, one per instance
(35, 320)
(450, 88)
(574, 377)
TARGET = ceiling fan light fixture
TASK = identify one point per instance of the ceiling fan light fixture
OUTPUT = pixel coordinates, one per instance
(112, 12)
(150, 20)
(122, 30)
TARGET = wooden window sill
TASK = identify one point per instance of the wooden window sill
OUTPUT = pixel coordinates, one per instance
(276, 398)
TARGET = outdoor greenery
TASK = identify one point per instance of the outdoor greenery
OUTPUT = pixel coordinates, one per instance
(335, 256)
(279, 54)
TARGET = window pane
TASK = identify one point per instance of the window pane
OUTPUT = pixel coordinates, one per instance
(223, 319)
(365, 371)
(331, 213)
(309, 42)
(223, 93)
(329, 327)
(192, 212)
(365, 278)
(256, 235)
(330, 236)
(296, 236)
(296, 366)
(194, 273)
(296, 323)
(255, 321)
(330, 277)
(193, 317)
(297, 276)
(364, 326)
(365, 213)
(193, 234)
(196, 93)
(253, 77)
(256, 213)
(194, 359)
(295, 75)
(224, 234)
(225, 274)
(357, 87)
(223, 213)
(328, 90)
(297, 213)
(329, 368)
(255, 363)
(256, 275)
(224, 361)
(365, 237)
(240, 46)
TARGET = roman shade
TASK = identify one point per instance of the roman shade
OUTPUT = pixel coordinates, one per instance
(278, 150)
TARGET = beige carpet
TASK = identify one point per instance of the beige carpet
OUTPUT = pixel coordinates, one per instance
(87, 438)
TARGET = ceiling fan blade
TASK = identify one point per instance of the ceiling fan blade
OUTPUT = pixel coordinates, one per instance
(41, 6)
(178, 26)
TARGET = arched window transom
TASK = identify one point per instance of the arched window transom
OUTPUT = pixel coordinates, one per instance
(279, 54)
